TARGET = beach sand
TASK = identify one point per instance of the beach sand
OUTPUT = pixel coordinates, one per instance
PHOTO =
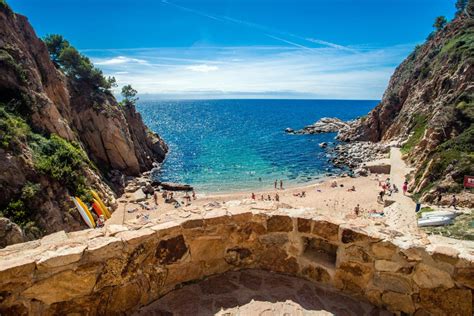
(321, 199)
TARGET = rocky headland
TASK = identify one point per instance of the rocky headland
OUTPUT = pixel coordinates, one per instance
(427, 110)
(62, 132)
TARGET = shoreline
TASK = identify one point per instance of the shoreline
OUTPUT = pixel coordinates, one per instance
(321, 199)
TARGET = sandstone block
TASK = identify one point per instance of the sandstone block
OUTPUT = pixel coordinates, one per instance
(316, 273)
(171, 250)
(326, 230)
(60, 257)
(465, 276)
(60, 287)
(387, 266)
(399, 302)
(428, 277)
(393, 282)
(304, 225)
(383, 250)
(238, 256)
(206, 248)
(446, 302)
(279, 223)
(350, 235)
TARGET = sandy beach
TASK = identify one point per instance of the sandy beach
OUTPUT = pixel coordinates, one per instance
(320, 198)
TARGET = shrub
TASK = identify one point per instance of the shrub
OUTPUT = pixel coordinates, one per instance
(17, 212)
(13, 130)
(61, 160)
(418, 131)
(7, 60)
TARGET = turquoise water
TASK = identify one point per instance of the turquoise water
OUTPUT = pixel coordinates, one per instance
(227, 145)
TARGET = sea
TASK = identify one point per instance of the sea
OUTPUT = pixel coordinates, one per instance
(241, 145)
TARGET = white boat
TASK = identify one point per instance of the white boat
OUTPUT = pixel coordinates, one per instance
(438, 214)
(435, 221)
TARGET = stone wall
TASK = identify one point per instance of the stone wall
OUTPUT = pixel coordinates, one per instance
(118, 269)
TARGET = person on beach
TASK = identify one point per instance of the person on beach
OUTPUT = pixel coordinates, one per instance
(281, 184)
(100, 221)
(261, 198)
(453, 202)
(380, 197)
(276, 184)
(253, 196)
(352, 189)
(155, 197)
(303, 194)
(334, 184)
(357, 210)
(439, 196)
(194, 195)
(405, 187)
(269, 198)
(148, 189)
(277, 197)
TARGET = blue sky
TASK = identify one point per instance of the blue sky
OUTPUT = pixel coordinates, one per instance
(342, 49)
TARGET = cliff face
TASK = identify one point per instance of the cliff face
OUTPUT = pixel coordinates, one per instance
(96, 137)
(428, 107)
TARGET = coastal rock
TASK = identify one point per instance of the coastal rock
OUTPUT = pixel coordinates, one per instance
(112, 140)
(425, 106)
(323, 125)
(170, 186)
(10, 233)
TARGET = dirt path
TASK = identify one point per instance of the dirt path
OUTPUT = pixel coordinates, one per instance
(401, 214)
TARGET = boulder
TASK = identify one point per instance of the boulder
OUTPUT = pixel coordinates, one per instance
(170, 186)
(10, 233)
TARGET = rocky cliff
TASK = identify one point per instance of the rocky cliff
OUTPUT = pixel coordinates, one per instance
(59, 137)
(428, 108)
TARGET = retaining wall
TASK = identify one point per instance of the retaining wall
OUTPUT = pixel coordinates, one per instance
(118, 269)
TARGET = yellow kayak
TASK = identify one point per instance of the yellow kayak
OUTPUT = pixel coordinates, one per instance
(86, 209)
(102, 205)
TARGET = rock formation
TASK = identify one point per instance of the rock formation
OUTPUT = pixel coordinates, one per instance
(97, 140)
(323, 125)
(428, 108)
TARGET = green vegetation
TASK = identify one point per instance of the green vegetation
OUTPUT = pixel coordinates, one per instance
(75, 65)
(13, 130)
(18, 210)
(440, 22)
(53, 157)
(129, 96)
(7, 60)
(4, 7)
(461, 46)
(61, 160)
(418, 131)
(461, 228)
(460, 6)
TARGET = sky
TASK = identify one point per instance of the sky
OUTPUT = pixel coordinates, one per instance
(327, 49)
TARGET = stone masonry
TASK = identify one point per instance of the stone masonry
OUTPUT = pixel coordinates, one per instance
(119, 269)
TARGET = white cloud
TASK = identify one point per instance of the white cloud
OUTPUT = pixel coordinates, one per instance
(326, 72)
(202, 68)
(119, 60)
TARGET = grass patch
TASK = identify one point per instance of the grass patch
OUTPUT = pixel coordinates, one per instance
(418, 130)
(461, 228)
(13, 130)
